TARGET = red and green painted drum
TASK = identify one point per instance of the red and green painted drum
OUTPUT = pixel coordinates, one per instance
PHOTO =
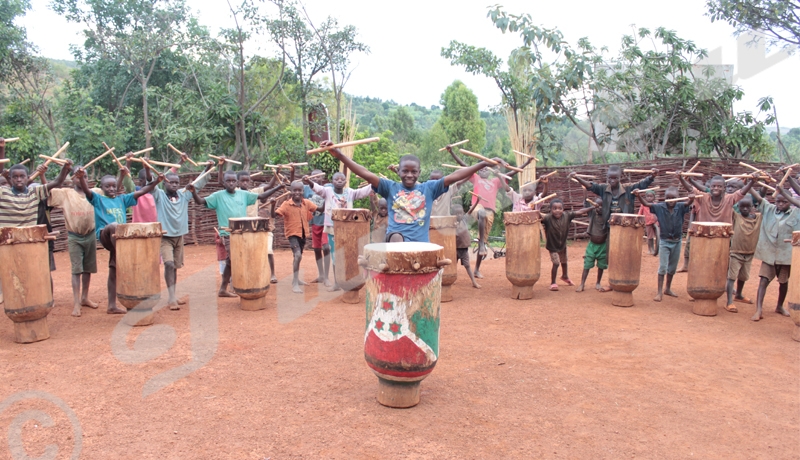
(403, 295)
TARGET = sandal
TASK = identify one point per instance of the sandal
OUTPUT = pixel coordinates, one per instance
(743, 300)
(553, 287)
(732, 308)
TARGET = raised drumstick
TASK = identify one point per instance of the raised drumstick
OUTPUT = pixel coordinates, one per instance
(694, 167)
(638, 171)
(5, 160)
(12, 139)
(52, 159)
(526, 155)
(476, 195)
(226, 160)
(454, 145)
(780, 184)
(98, 158)
(488, 160)
(194, 182)
(55, 155)
(343, 144)
(541, 200)
(548, 175)
(25, 161)
(649, 189)
(445, 165)
(676, 173)
(188, 158)
(157, 163)
(673, 200)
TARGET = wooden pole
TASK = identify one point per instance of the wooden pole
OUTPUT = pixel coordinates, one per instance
(780, 184)
(548, 175)
(476, 195)
(454, 145)
(343, 144)
(12, 139)
(525, 155)
(585, 176)
(675, 173)
(767, 186)
(638, 171)
(25, 161)
(56, 155)
(694, 167)
(673, 200)
(52, 159)
(5, 160)
(445, 165)
(157, 163)
(649, 189)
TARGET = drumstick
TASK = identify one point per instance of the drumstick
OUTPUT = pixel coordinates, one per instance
(675, 173)
(149, 149)
(5, 160)
(52, 160)
(502, 175)
(216, 230)
(782, 168)
(454, 145)
(116, 160)
(673, 200)
(343, 144)
(476, 195)
(12, 139)
(316, 175)
(580, 222)
(98, 158)
(203, 175)
(488, 160)
(147, 165)
(226, 160)
(540, 200)
(283, 196)
(694, 167)
(172, 147)
(445, 165)
(638, 171)
(25, 161)
(257, 174)
(780, 184)
(649, 189)
(548, 175)
(741, 163)
(767, 186)
(585, 176)
(55, 155)
(525, 155)
(157, 163)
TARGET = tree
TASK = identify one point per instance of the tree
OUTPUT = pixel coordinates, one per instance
(134, 33)
(776, 20)
(460, 117)
(13, 38)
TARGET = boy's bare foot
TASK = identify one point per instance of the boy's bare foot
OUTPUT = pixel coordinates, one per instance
(225, 293)
(476, 285)
(183, 300)
(334, 288)
(604, 288)
(76, 312)
(316, 280)
(658, 298)
(174, 305)
(297, 289)
(758, 316)
(328, 283)
(782, 311)
(580, 288)
(273, 279)
(670, 293)
(683, 269)
(116, 311)
(478, 274)
(302, 283)
(88, 303)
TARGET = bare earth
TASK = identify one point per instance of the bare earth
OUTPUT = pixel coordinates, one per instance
(565, 375)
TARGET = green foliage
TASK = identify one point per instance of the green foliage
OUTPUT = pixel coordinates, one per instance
(777, 20)
(376, 156)
(16, 120)
(460, 116)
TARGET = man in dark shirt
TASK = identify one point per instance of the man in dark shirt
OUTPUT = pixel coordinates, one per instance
(670, 216)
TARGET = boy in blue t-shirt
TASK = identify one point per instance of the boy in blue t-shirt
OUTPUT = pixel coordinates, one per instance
(409, 202)
(110, 210)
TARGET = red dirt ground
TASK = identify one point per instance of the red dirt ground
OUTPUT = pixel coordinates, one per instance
(565, 375)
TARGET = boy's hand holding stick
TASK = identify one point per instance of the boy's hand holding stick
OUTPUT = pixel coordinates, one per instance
(489, 160)
(342, 145)
(449, 146)
(183, 155)
(225, 160)
(780, 185)
(541, 200)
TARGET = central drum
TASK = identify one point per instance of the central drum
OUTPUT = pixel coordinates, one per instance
(249, 261)
(138, 275)
(403, 294)
(624, 256)
(351, 233)
(523, 258)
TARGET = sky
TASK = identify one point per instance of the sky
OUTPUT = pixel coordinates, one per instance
(406, 38)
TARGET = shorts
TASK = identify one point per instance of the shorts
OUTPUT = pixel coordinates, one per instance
(559, 257)
(110, 244)
(297, 243)
(462, 254)
(686, 249)
(596, 253)
(489, 219)
(739, 266)
(669, 254)
(172, 250)
(82, 252)
(650, 231)
(770, 272)
(226, 241)
(318, 237)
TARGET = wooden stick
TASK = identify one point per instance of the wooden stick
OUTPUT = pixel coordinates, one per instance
(116, 160)
(525, 155)
(540, 200)
(25, 161)
(574, 180)
(5, 160)
(794, 166)
(142, 151)
(322, 174)
(502, 175)
(383, 176)
(694, 167)
(454, 145)
(52, 159)
(480, 198)
(580, 222)
(673, 200)
(147, 164)
(55, 155)
(257, 174)
(297, 164)
(194, 182)
(585, 176)
(12, 139)
(343, 144)
(283, 196)
(182, 154)
(216, 230)
(547, 175)
(488, 160)
(98, 158)
(649, 189)
(157, 163)
(780, 184)
(445, 165)
(741, 163)
(767, 186)
(675, 173)
(638, 171)
(226, 160)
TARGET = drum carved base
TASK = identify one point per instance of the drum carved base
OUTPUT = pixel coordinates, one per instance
(253, 304)
(447, 294)
(31, 331)
(521, 292)
(622, 299)
(139, 317)
(705, 307)
(398, 394)
(350, 297)
(796, 333)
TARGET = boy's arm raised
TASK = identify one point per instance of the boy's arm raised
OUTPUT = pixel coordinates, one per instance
(267, 193)
(750, 183)
(199, 200)
(148, 187)
(789, 197)
(359, 170)
(641, 201)
(61, 176)
(455, 157)
(467, 172)
(80, 176)
(585, 183)
(685, 184)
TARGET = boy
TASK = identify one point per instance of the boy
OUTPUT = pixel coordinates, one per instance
(245, 183)
(778, 222)
(443, 204)
(172, 211)
(295, 212)
(716, 205)
(81, 240)
(110, 210)
(522, 202)
(746, 228)
(670, 215)
(463, 240)
(229, 203)
(650, 222)
(145, 209)
(319, 239)
(597, 249)
(556, 228)
(409, 202)
(380, 218)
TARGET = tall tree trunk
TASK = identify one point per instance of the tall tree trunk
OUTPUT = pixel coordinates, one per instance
(148, 136)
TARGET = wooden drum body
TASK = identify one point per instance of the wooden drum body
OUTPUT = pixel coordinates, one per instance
(793, 296)
(138, 274)
(25, 277)
(351, 233)
(708, 265)
(249, 261)
(403, 293)
(523, 258)
(443, 233)
(624, 256)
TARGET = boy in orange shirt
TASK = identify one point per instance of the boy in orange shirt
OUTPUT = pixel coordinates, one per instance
(295, 212)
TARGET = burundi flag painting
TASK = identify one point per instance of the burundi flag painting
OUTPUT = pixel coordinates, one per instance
(401, 340)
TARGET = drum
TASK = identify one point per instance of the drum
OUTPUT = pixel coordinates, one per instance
(443, 233)
(403, 294)
(624, 256)
(25, 277)
(351, 233)
(793, 296)
(138, 273)
(708, 264)
(249, 261)
(523, 258)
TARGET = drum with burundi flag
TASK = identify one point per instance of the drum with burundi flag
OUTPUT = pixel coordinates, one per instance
(403, 295)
